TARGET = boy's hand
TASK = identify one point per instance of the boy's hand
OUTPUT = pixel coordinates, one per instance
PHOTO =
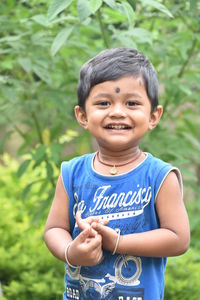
(85, 250)
(109, 235)
(86, 223)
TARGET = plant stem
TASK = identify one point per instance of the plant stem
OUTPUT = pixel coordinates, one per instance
(18, 130)
(37, 126)
(184, 65)
(38, 129)
(99, 16)
(186, 62)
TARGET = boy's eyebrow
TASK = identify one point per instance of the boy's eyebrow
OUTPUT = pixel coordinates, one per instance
(109, 95)
(133, 95)
(105, 95)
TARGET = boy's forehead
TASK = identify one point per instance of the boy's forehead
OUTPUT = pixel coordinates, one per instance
(117, 88)
(121, 85)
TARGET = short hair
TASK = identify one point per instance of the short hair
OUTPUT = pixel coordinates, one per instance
(113, 64)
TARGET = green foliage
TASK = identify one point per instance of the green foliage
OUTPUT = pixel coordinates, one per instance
(182, 277)
(27, 269)
(56, 7)
(182, 273)
(193, 208)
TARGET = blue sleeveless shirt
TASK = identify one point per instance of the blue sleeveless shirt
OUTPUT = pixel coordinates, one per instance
(128, 202)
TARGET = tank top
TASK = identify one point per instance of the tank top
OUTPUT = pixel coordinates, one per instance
(128, 202)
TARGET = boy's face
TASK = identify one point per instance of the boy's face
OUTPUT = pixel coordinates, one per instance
(118, 113)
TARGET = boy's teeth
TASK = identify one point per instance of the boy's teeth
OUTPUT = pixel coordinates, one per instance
(117, 126)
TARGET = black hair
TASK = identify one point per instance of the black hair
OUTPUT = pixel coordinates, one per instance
(112, 64)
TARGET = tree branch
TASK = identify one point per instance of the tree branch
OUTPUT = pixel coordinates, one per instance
(17, 129)
(186, 62)
(38, 129)
(37, 126)
(99, 16)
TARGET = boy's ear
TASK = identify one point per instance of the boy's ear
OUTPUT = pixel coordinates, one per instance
(155, 117)
(81, 116)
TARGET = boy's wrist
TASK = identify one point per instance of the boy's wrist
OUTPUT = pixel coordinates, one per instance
(117, 241)
(119, 248)
(68, 256)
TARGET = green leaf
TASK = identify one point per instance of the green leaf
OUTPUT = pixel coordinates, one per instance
(186, 89)
(56, 150)
(114, 16)
(193, 140)
(60, 39)
(23, 167)
(110, 3)
(25, 64)
(124, 40)
(10, 38)
(129, 12)
(43, 186)
(3, 141)
(42, 73)
(83, 9)
(193, 4)
(56, 7)
(41, 19)
(95, 5)
(158, 6)
(49, 169)
(26, 191)
(141, 35)
(39, 153)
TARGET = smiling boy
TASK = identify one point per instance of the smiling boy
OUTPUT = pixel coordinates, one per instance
(117, 213)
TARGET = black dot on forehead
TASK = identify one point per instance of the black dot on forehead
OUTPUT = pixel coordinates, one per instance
(117, 89)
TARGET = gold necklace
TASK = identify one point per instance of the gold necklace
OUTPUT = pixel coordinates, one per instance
(113, 170)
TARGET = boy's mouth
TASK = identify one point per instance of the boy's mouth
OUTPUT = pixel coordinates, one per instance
(118, 126)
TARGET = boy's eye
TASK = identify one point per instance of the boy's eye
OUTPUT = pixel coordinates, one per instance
(132, 103)
(103, 103)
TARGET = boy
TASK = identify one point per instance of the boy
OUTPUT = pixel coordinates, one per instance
(117, 213)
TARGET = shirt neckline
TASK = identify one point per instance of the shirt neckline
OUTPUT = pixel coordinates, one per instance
(93, 172)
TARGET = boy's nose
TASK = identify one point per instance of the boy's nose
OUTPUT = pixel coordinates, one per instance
(117, 111)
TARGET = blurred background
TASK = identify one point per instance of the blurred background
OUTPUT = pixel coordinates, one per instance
(42, 47)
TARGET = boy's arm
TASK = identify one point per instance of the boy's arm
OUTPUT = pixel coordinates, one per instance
(173, 236)
(84, 249)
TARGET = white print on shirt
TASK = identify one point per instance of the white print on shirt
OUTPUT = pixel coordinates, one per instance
(125, 205)
(104, 290)
(129, 298)
(72, 293)
(122, 262)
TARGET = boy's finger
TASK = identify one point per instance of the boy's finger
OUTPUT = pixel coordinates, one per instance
(80, 222)
(92, 219)
(93, 232)
(105, 222)
(97, 227)
(100, 226)
(95, 242)
(82, 237)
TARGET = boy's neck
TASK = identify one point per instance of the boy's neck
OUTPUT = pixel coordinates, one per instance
(117, 162)
(114, 167)
(117, 157)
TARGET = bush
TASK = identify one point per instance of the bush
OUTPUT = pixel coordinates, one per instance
(182, 277)
(182, 273)
(27, 269)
